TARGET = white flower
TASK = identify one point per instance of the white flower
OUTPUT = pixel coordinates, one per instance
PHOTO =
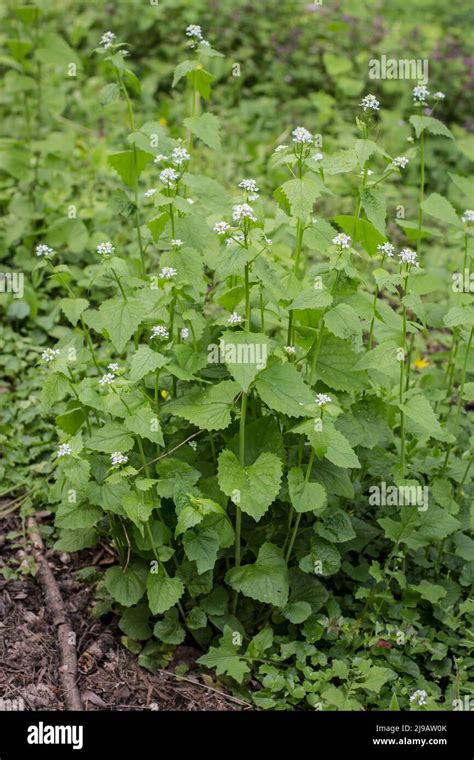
(190, 201)
(322, 399)
(168, 176)
(105, 249)
(107, 379)
(193, 445)
(386, 248)
(301, 136)
(280, 148)
(160, 331)
(419, 696)
(179, 156)
(400, 161)
(468, 216)
(113, 366)
(234, 319)
(44, 250)
(289, 349)
(250, 185)
(176, 243)
(408, 256)
(420, 93)
(159, 158)
(167, 273)
(253, 197)
(370, 103)
(342, 240)
(243, 211)
(150, 193)
(49, 354)
(184, 333)
(439, 95)
(118, 458)
(221, 228)
(194, 31)
(63, 450)
(107, 40)
(317, 157)
(369, 172)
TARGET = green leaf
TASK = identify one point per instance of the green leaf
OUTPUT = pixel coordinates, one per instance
(55, 388)
(266, 580)
(206, 127)
(144, 361)
(129, 164)
(244, 354)
(75, 540)
(305, 496)
(418, 409)
(439, 207)
(300, 194)
(430, 591)
(343, 322)
(374, 678)
(252, 488)
(127, 587)
(169, 629)
(138, 508)
(434, 126)
(207, 192)
(336, 527)
(146, 424)
(209, 409)
(297, 612)
(73, 308)
(311, 298)
(375, 206)
(182, 69)
(336, 366)
(118, 318)
(282, 388)
(163, 592)
(364, 149)
(111, 437)
(225, 658)
(134, 623)
(202, 546)
(340, 163)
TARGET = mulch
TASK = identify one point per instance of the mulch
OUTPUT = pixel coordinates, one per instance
(109, 675)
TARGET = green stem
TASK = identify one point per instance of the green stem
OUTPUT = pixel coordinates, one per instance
(298, 516)
(422, 191)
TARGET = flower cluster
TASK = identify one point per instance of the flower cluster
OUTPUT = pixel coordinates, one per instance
(221, 228)
(194, 32)
(150, 193)
(117, 457)
(243, 211)
(184, 333)
(468, 216)
(250, 186)
(419, 696)
(107, 379)
(322, 399)
(176, 243)
(420, 94)
(168, 176)
(400, 162)
(342, 240)
(105, 249)
(301, 136)
(167, 273)
(160, 331)
(107, 40)
(408, 256)
(179, 156)
(370, 103)
(289, 349)
(49, 354)
(44, 250)
(439, 95)
(63, 450)
(234, 319)
(387, 249)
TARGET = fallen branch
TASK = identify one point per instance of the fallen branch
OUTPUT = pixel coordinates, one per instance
(55, 604)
